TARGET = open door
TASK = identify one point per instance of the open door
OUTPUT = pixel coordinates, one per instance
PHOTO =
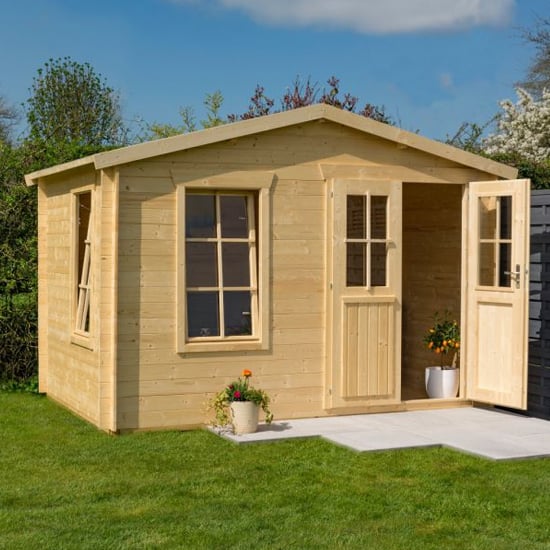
(364, 303)
(497, 293)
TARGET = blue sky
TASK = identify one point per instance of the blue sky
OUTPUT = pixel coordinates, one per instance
(431, 63)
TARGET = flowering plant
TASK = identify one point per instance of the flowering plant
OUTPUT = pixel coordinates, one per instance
(443, 337)
(239, 390)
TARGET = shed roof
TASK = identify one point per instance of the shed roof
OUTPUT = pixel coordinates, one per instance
(249, 127)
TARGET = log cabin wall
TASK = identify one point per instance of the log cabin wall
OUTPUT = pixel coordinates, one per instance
(157, 387)
(69, 372)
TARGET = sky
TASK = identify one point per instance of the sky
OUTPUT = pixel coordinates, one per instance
(432, 64)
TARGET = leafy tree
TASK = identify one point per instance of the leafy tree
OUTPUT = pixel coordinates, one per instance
(71, 112)
(8, 116)
(213, 103)
(302, 94)
(538, 74)
(523, 128)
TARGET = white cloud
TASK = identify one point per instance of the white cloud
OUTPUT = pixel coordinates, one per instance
(375, 16)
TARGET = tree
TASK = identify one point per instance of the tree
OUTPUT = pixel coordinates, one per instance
(523, 128)
(302, 94)
(213, 103)
(538, 74)
(8, 117)
(72, 112)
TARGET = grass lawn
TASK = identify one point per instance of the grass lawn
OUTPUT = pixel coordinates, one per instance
(65, 485)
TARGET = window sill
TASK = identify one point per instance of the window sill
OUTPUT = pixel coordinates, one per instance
(225, 345)
(82, 341)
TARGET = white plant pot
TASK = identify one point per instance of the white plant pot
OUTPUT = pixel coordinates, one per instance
(442, 383)
(244, 416)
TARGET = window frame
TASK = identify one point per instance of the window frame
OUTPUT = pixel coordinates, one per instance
(244, 183)
(80, 336)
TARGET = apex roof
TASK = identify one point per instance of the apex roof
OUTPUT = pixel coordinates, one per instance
(400, 137)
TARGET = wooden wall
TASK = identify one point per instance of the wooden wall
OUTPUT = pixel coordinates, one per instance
(431, 272)
(159, 388)
(133, 378)
(68, 372)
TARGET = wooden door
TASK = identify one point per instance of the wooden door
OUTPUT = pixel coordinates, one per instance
(364, 305)
(497, 297)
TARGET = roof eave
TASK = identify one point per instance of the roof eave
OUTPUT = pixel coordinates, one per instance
(34, 177)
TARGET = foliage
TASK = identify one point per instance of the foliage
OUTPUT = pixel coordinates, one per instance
(523, 128)
(18, 349)
(8, 117)
(302, 94)
(538, 74)
(469, 137)
(67, 485)
(213, 103)
(72, 112)
(239, 390)
(538, 171)
(443, 337)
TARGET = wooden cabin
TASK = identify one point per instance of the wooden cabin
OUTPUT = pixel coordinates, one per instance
(312, 247)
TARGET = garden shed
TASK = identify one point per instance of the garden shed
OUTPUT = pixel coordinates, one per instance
(311, 246)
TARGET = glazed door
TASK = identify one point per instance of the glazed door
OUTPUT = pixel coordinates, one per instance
(364, 337)
(497, 299)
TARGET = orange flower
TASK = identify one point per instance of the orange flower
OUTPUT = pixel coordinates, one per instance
(247, 373)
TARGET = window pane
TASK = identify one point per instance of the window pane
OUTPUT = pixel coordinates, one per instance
(201, 264)
(355, 217)
(487, 264)
(506, 218)
(488, 217)
(505, 265)
(200, 216)
(378, 217)
(378, 264)
(84, 211)
(355, 264)
(236, 265)
(202, 314)
(234, 216)
(237, 314)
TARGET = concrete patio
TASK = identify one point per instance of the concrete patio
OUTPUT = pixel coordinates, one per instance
(492, 434)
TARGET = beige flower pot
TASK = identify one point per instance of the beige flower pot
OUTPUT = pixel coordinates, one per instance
(244, 416)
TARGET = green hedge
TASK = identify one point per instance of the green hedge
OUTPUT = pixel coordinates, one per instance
(18, 341)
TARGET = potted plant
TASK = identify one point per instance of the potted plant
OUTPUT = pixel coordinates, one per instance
(239, 404)
(443, 338)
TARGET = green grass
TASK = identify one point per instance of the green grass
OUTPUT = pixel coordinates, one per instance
(65, 485)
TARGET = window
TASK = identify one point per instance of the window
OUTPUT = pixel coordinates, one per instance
(220, 265)
(495, 241)
(83, 261)
(366, 240)
(223, 261)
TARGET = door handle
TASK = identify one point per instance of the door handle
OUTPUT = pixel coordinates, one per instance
(515, 274)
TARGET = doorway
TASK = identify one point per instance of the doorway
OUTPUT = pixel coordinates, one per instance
(432, 261)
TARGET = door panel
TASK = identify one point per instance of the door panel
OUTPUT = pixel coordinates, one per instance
(497, 298)
(364, 337)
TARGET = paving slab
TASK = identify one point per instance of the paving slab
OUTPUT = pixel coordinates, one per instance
(493, 434)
